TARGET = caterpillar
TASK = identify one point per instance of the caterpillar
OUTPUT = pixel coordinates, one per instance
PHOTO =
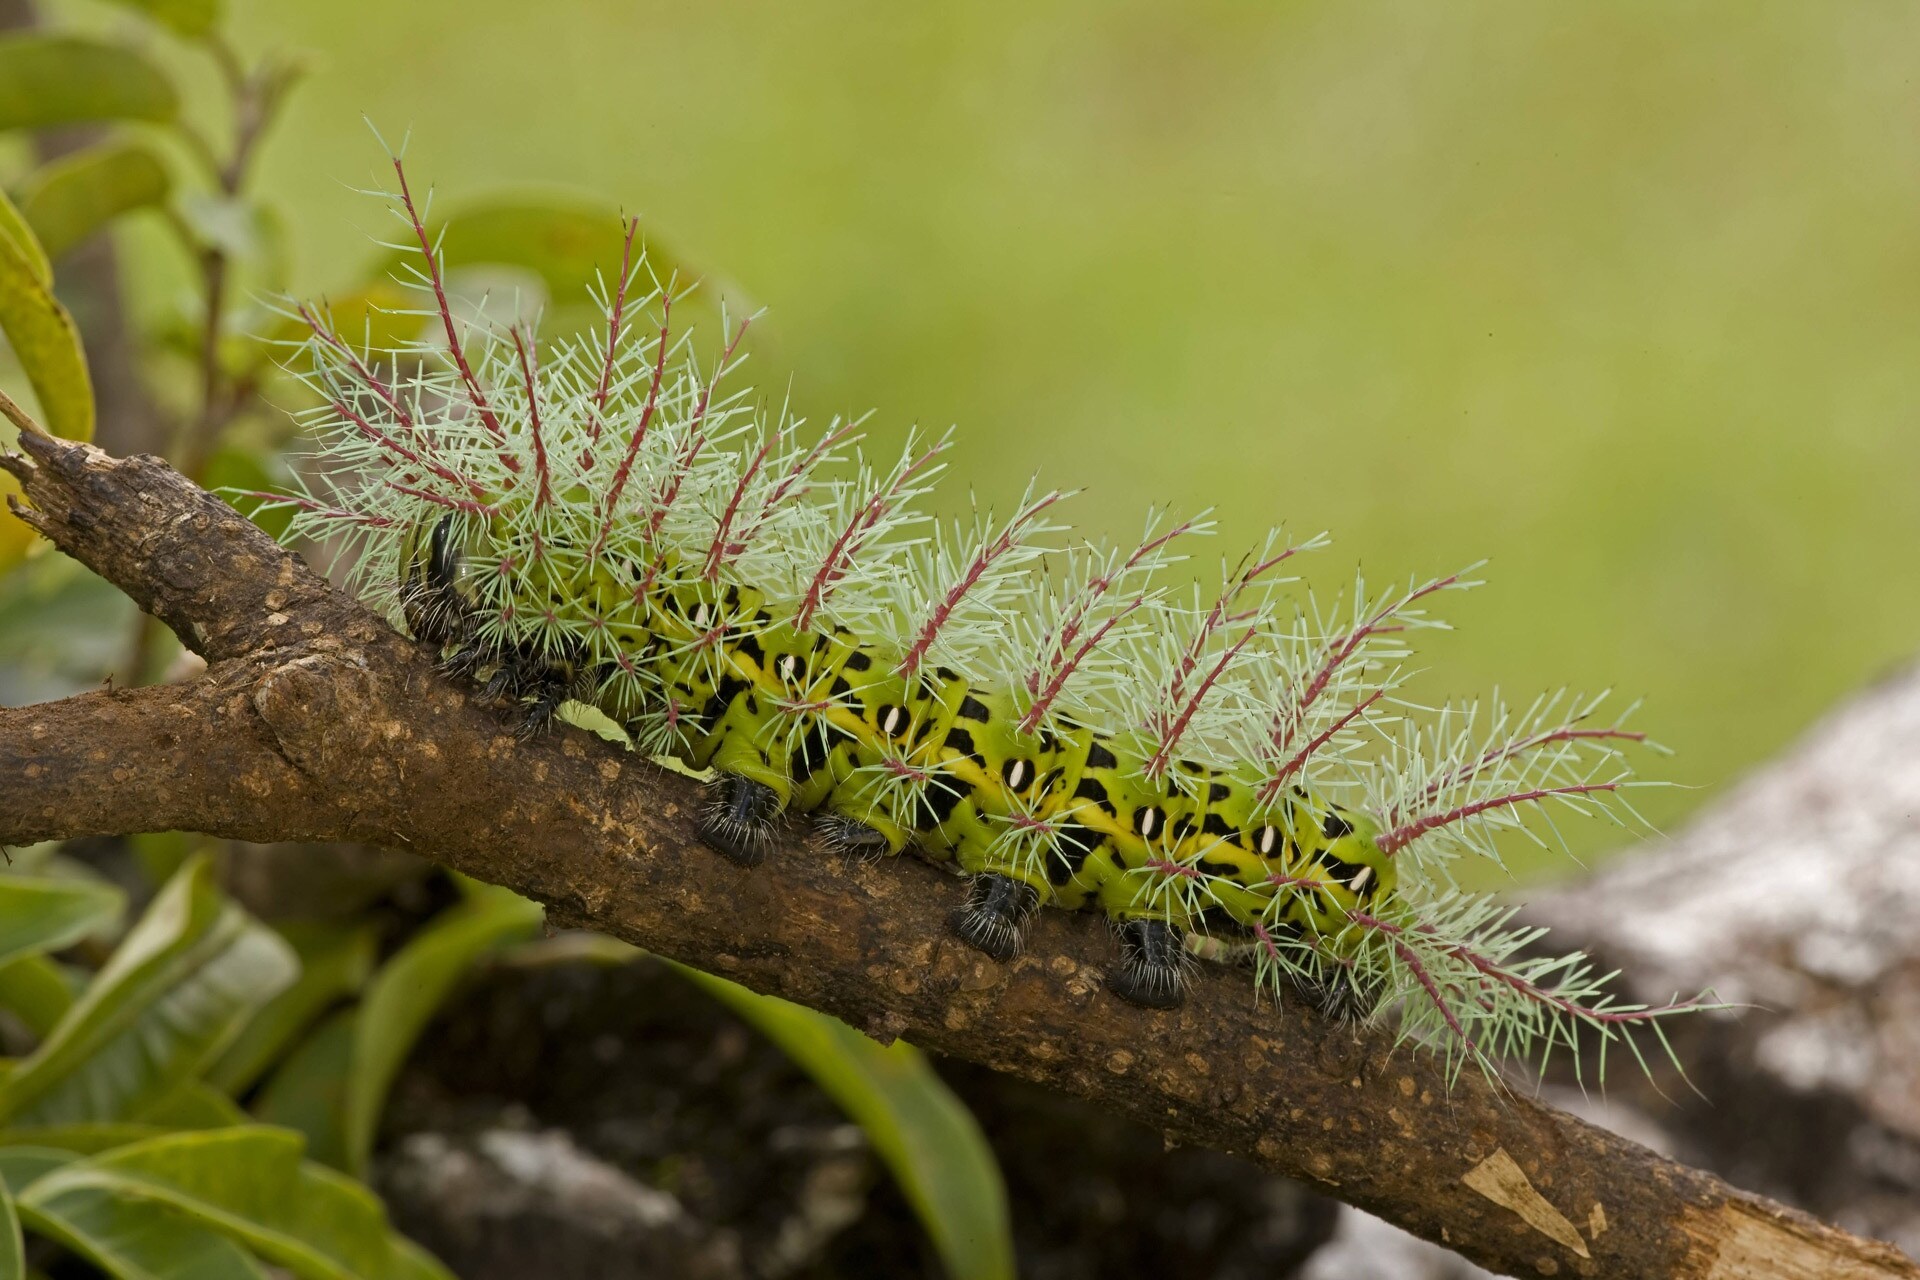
(1240, 773)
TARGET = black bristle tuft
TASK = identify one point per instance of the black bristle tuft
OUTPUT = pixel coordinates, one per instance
(995, 915)
(850, 838)
(1153, 965)
(737, 820)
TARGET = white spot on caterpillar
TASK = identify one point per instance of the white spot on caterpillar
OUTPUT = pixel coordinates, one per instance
(1266, 841)
(1360, 879)
(1148, 819)
(1502, 1181)
(891, 723)
(1017, 774)
(787, 664)
(700, 614)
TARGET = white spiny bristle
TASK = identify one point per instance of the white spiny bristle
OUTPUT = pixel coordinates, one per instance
(619, 461)
(1071, 632)
(951, 604)
(1454, 783)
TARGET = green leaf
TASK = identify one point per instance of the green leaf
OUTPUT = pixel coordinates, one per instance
(335, 961)
(195, 1105)
(126, 1238)
(176, 991)
(48, 80)
(59, 618)
(48, 348)
(308, 1091)
(36, 991)
(382, 316)
(44, 338)
(13, 1249)
(79, 1139)
(41, 914)
(76, 195)
(45, 915)
(251, 1185)
(136, 1240)
(183, 17)
(408, 990)
(925, 1134)
(573, 947)
(566, 244)
(22, 1163)
(584, 716)
(15, 230)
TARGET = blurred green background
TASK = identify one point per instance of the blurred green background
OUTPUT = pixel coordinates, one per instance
(1623, 296)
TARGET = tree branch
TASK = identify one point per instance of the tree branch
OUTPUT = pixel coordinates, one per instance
(316, 721)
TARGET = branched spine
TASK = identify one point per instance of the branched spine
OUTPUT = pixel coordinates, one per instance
(620, 532)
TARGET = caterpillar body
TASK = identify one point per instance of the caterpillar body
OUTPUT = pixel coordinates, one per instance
(1238, 772)
(819, 720)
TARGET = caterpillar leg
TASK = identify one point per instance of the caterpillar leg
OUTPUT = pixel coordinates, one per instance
(430, 594)
(502, 683)
(533, 716)
(738, 817)
(1332, 992)
(465, 657)
(546, 685)
(851, 838)
(1337, 996)
(996, 913)
(426, 616)
(1153, 965)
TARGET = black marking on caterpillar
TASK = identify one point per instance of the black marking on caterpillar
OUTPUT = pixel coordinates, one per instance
(609, 525)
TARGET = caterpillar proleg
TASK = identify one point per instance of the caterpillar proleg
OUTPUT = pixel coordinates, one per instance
(608, 520)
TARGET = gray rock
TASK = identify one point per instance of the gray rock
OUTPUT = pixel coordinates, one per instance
(510, 1202)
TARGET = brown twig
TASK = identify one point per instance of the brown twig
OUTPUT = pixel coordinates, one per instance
(315, 721)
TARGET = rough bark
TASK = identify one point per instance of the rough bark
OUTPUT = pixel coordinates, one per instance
(315, 721)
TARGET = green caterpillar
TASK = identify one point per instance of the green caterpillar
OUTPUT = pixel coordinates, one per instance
(596, 522)
(817, 720)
